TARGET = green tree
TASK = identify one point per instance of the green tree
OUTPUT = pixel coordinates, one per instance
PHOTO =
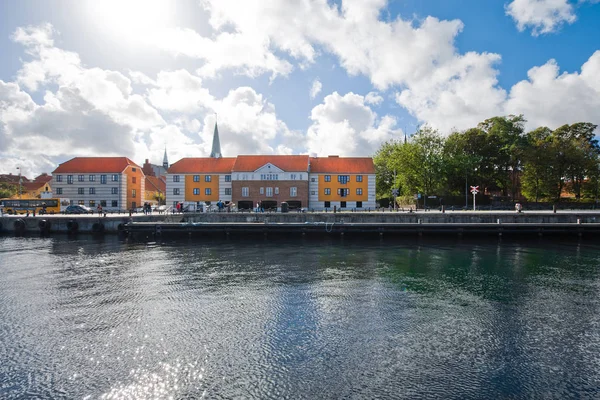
(386, 167)
(537, 160)
(7, 190)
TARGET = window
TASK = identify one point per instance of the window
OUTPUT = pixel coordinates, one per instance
(261, 190)
(343, 179)
(115, 203)
(80, 191)
(327, 178)
(207, 191)
(300, 176)
(92, 191)
(133, 169)
(196, 191)
(114, 190)
(176, 191)
(227, 191)
(80, 178)
(269, 192)
(81, 202)
(293, 177)
(227, 178)
(207, 178)
(92, 203)
(313, 180)
(245, 192)
(276, 190)
(133, 192)
(343, 192)
(59, 191)
(92, 178)
(175, 178)
(293, 191)
(359, 204)
(312, 192)
(359, 191)
(103, 179)
(327, 204)
(69, 179)
(196, 178)
(342, 204)
(133, 179)
(103, 203)
(327, 191)
(115, 177)
(358, 178)
(58, 178)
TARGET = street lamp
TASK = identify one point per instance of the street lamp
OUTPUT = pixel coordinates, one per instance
(20, 182)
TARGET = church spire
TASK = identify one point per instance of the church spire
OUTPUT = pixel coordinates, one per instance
(165, 160)
(216, 145)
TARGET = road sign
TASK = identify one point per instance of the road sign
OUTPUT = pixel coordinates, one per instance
(474, 189)
(395, 192)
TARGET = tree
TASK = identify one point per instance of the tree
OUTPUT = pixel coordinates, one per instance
(7, 190)
(386, 168)
(536, 169)
(421, 167)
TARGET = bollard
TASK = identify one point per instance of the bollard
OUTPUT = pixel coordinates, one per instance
(443, 209)
(554, 208)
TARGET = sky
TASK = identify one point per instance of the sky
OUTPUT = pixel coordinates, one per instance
(320, 77)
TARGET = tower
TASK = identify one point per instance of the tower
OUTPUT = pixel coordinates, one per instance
(216, 145)
(165, 160)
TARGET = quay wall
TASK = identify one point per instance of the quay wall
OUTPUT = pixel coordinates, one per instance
(120, 223)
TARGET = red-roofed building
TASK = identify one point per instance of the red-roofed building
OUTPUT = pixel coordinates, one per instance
(198, 181)
(116, 183)
(156, 188)
(299, 180)
(342, 182)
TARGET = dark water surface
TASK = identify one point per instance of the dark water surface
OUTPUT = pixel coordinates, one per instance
(400, 318)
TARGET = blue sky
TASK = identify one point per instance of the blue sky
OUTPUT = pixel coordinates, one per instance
(288, 77)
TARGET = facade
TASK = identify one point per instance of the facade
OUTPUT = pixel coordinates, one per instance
(248, 181)
(199, 181)
(116, 183)
(270, 180)
(342, 182)
(155, 189)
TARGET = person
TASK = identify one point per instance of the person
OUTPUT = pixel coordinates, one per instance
(99, 209)
(257, 207)
(178, 206)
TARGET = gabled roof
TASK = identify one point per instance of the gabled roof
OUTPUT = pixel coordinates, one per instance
(286, 163)
(202, 166)
(95, 165)
(342, 165)
(32, 186)
(43, 178)
(154, 184)
(10, 178)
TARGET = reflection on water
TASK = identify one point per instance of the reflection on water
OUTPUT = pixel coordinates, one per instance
(401, 318)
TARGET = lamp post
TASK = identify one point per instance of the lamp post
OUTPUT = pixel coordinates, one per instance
(20, 182)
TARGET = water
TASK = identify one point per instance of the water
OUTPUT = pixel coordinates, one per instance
(400, 318)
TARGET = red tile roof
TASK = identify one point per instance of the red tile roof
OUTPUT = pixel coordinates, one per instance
(154, 184)
(285, 163)
(43, 178)
(342, 165)
(95, 165)
(32, 186)
(202, 165)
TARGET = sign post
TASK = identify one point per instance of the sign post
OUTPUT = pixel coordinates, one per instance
(474, 190)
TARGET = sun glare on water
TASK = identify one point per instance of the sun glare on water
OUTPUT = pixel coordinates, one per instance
(130, 20)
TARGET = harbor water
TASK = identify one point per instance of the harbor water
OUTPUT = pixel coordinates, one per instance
(403, 318)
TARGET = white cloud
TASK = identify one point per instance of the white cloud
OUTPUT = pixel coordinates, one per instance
(373, 98)
(346, 126)
(551, 99)
(315, 88)
(542, 16)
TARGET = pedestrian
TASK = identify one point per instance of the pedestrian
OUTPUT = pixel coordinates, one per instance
(99, 209)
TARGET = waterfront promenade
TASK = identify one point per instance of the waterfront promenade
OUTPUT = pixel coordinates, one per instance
(572, 222)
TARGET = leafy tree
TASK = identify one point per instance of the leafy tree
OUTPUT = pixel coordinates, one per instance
(386, 167)
(537, 159)
(7, 190)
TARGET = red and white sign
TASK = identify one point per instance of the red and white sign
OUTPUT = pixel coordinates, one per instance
(474, 189)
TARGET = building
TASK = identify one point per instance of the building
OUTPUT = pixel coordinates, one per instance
(270, 180)
(342, 182)
(156, 188)
(199, 181)
(116, 183)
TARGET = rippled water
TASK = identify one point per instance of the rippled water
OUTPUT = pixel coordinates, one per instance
(400, 318)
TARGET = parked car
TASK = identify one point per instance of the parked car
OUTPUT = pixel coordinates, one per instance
(78, 209)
